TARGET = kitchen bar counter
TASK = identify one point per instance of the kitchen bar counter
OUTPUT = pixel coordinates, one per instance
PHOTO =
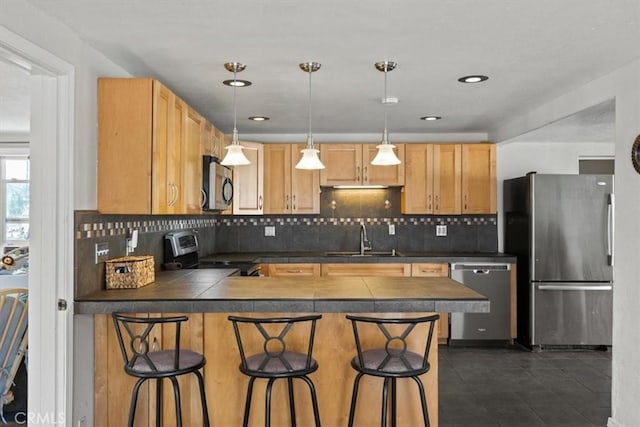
(210, 290)
(208, 297)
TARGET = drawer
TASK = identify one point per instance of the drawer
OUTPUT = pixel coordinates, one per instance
(273, 270)
(430, 270)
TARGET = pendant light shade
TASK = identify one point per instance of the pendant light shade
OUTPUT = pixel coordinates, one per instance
(386, 156)
(310, 159)
(234, 156)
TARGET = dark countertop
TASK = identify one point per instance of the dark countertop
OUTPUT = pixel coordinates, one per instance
(211, 290)
(322, 257)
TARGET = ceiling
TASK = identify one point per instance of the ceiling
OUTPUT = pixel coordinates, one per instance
(532, 52)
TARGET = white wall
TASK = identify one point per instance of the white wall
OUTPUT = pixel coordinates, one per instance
(518, 158)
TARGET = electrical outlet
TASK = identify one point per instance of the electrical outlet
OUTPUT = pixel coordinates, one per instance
(102, 252)
(441, 230)
(270, 230)
(392, 229)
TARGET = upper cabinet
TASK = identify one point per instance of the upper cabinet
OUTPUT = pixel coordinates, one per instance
(449, 179)
(432, 179)
(350, 164)
(193, 197)
(478, 178)
(288, 190)
(145, 136)
(248, 182)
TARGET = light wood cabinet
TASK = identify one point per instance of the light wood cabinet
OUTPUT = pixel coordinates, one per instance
(305, 269)
(350, 164)
(449, 179)
(289, 190)
(365, 269)
(248, 182)
(432, 179)
(212, 140)
(478, 178)
(193, 199)
(148, 143)
(435, 270)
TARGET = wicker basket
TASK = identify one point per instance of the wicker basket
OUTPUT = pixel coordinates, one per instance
(130, 272)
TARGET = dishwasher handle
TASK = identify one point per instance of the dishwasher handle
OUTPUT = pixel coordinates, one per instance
(481, 268)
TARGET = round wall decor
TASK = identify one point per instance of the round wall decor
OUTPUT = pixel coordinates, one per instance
(635, 154)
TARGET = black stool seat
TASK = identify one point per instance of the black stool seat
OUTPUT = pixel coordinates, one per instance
(383, 351)
(143, 360)
(270, 349)
(398, 364)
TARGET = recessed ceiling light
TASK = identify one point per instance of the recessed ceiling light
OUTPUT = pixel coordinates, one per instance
(476, 78)
(258, 118)
(237, 83)
(430, 118)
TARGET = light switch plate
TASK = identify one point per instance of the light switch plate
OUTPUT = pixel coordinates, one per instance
(270, 230)
(441, 230)
(392, 229)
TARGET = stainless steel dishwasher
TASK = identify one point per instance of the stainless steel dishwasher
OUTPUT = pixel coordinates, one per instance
(493, 281)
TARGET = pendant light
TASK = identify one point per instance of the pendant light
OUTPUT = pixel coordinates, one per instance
(310, 158)
(386, 156)
(234, 156)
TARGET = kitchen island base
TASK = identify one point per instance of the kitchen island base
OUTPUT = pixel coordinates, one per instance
(212, 334)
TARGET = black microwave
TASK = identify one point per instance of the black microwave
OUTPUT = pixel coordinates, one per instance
(217, 185)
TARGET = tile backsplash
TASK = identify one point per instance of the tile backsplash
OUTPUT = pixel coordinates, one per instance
(336, 228)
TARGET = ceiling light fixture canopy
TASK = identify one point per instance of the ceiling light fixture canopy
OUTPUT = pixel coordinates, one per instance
(310, 158)
(234, 156)
(386, 156)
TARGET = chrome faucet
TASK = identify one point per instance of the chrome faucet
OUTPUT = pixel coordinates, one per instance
(365, 244)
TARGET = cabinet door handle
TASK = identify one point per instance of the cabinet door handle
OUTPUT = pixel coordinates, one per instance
(174, 194)
(294, 271)
(286, 203)
(465, 202)
(259, 202)
(204, 198)
(437, 203)
(366, 174)
(429, 208)
(357, 173)
(294, 202)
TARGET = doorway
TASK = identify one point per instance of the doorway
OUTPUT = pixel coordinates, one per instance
(50, 276)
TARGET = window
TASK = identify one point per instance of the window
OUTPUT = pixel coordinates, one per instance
(15, 195)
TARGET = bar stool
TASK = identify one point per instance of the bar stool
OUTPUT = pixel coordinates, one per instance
(143, 361)
(389, 358)
(267, 350)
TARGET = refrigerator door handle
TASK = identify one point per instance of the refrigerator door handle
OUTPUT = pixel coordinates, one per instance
(574, 288)
(610, 228)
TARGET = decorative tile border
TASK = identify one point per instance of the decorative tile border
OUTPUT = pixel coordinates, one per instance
(113, 225)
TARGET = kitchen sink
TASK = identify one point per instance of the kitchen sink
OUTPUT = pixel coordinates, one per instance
(366, 254)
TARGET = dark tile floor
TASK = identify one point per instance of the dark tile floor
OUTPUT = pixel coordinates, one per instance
(512, 387)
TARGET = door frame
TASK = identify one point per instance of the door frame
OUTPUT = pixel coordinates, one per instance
(50, 355)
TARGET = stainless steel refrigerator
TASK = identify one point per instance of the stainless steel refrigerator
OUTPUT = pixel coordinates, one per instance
(561, 229)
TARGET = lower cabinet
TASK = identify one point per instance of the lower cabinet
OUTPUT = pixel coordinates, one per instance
(435, 270)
